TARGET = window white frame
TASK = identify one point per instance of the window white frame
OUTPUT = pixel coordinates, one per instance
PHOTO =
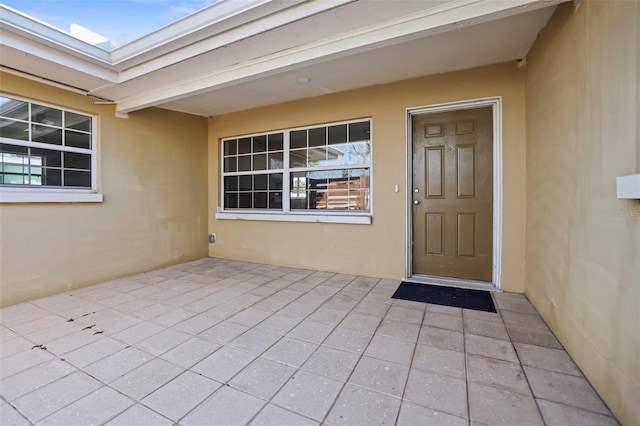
(293, 215)
(36, 194)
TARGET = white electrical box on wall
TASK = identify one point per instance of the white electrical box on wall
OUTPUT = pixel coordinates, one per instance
(628, 187)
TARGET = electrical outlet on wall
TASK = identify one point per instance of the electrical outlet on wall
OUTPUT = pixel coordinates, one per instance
(212, 238)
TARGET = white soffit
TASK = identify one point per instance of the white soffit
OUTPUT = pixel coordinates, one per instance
(489, 43)
(205, 63)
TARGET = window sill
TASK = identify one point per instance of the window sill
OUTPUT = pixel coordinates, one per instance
(361, 219)
(40, 196)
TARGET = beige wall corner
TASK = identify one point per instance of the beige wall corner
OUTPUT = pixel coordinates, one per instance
(377, 249)
(583, 244)
(152, 172)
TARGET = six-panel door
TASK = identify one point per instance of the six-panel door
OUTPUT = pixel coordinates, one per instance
(453, 194)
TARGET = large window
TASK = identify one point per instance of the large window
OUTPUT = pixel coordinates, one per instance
(45, 147)
(319, 169)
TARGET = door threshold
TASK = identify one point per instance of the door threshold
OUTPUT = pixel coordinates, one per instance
(452, 282)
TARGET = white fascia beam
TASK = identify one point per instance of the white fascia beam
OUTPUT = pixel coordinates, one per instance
(435, 20)
(226, 33)
(58, 56)
(209, 22)
(13, 21)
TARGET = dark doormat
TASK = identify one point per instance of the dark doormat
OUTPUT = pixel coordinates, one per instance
(478, 300)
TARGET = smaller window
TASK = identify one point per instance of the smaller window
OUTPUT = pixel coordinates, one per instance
(45, 147)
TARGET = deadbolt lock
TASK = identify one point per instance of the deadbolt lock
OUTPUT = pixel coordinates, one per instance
(416, 190)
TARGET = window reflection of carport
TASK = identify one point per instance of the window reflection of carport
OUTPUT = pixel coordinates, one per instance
(343, 189)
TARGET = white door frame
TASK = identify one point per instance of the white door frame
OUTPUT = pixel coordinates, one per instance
(496, 104)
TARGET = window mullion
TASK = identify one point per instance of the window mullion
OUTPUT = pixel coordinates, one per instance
(42, 145)
(221, 185)
(286, 175)
(29, 121)
(329, 168)
(94, 156)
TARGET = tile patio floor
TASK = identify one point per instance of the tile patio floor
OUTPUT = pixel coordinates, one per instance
(218, 342)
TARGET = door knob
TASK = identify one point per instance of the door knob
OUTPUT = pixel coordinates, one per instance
(416, 202)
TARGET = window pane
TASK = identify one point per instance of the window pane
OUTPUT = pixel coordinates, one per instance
(260, 182)
(309, 190)
(231, 200)
(298, 182)
(275, 181)
(12, 165)
(77, 178)
(359, 153)
(318, 136)
(244, 202)
(275, 200)
(231, 164)
(52, 177)
(337, 134)
(73, 160)
(359, 131)
(260, 162)
(11, 179)
(298, 158)
(359, 189)
(13, 168)
(45, 115)
(298, 203)
(276, 160)
(260, 200)
(338, 194)
(317, 156)
(78, 140)
(35, 179)
(46, 134)
(317, 200)
(298, 139)
(343, 189)
(244, 146)
(14, 154)
(246, 183)
(231, 147)
(298, 190)
(77, 121)
(231, 183)
(46, 157)
(14, 129)
(275, 142)
(318, 181)
(14, 108)
(337, 154)
(244, 163)
(260, 143)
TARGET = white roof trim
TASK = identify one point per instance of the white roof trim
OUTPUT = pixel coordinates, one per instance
(205, 23)
(431, 21)
(69, 58)
(17, 23)
(223, 24)
(223, 37)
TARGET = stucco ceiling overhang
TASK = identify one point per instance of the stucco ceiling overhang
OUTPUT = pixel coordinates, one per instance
(239, 55)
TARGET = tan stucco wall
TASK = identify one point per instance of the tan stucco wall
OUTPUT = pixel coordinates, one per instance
(377, 249)
(153, 176)
(583, 245)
